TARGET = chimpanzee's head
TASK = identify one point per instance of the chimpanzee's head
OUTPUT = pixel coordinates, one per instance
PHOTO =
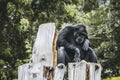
(79, 38)
(80, 33)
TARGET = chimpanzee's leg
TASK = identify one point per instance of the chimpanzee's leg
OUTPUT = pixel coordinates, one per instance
(62, 56)
(91, 56)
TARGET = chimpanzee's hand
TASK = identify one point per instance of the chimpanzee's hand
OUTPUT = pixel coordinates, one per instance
(77, 55)
(77, 51)
(86, 45)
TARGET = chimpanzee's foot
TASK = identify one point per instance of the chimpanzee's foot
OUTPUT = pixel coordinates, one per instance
(61, 65)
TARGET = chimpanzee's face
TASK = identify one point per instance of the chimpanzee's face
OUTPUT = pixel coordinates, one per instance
(79, 38)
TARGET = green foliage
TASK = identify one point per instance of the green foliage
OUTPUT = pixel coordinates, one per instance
(25, 2)
(90, 5)
(113, 78)
(24, 24)
(2, 63)
(71, 10)
(19, 21)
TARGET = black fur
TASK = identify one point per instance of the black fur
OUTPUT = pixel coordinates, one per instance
(70, 45)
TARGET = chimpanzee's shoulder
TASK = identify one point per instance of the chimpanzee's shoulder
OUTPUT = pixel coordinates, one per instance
(90, 49)
(68, 28)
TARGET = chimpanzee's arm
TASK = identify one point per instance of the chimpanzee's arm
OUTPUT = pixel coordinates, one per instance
(64, 37)
(92, 55)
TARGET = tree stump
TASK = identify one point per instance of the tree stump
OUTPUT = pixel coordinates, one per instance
(84, 71)
(42, 55)
(42, 65)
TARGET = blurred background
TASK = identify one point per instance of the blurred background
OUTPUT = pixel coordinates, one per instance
(20, 19)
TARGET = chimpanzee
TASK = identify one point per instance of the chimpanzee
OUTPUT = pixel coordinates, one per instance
(73, 45)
